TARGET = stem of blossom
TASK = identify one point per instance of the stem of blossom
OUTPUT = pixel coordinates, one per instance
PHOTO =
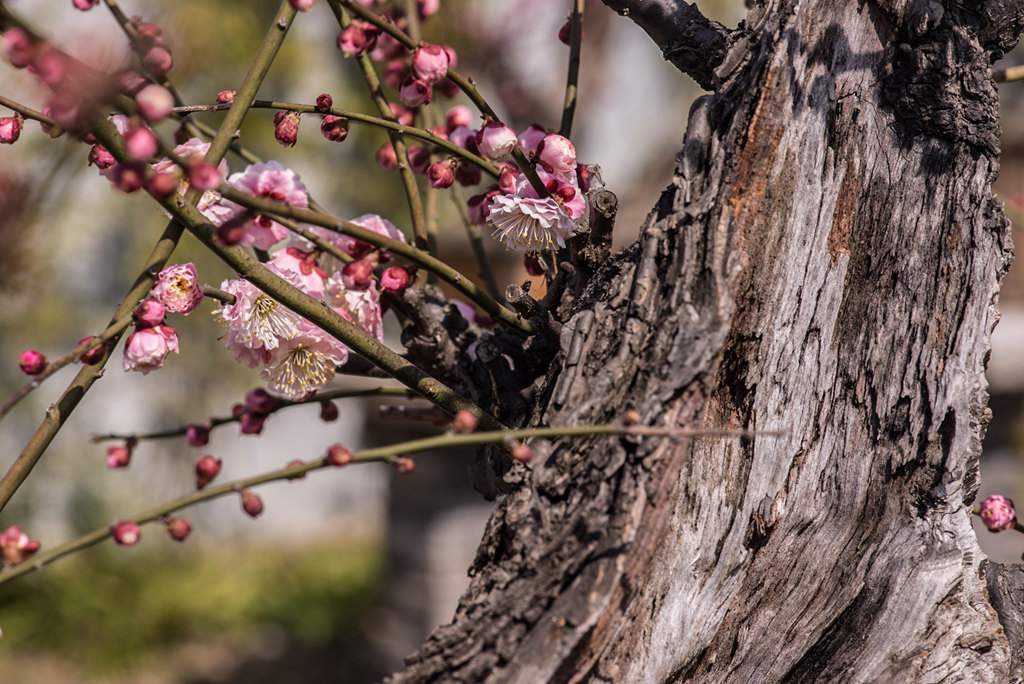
(1014, 73)
(420, 258)
(464, 84)
(28, 112)
(477, 244)
(327, 319)
(385, 453)
(59, 412)
(281, 404)
(572, 78)
(112, 331)
(412, 190)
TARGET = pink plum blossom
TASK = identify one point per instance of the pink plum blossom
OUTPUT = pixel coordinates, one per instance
(300, 269)
(997, 513)
(18, 47)
(256, 323)
(149, 313)
(357, 248)
(125, 533)
(557, 154)
(362, 307)
(525, 221)
(155, 102)
(530, 139)
(10, 129)
(147, 348)
(272, 181)
(177, 288)
(414, 92)
(305, 363)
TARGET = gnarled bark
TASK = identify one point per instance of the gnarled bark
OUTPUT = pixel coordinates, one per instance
(825, 262)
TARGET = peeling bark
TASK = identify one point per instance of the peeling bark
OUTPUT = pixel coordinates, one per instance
(826, 262)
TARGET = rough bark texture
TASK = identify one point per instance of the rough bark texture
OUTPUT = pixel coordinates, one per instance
(825, 262)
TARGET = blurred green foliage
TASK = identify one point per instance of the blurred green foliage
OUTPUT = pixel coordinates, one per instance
(108, 613)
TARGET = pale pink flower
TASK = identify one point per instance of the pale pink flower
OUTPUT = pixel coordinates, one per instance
(414, 92)
(256, 322)
(524, 221)
(272, 181)
(299, 269)
(15, 546)
(177, 288)
(147, 348)
(361, 306)
(352, 246)
(155, 102)
(305, 363)
(530, 139)
(210, 204)
(459, 115)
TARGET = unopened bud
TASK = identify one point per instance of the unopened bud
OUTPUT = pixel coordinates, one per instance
(386, 157)
(404, 464)
(358, 274)
(125, 533)
(338, 455)
(296, 462)
(252, 504)
(328, 411)
(149, 313)
(94, 355)
(464, 422)
(252, 423)
(430, 62)
(155, 102)
(119, 456)
(324, 102)
(522, 453)
(440, 174)
(32, 362)
(178, 528)
(414, 92)
(997, 513)
(226, 96)
(395, 280)
(334, 128)
(286, 128)
(204, 176)
(197, 435)
(162, 185)
(207, 468)
(158, 61)
(10, 129)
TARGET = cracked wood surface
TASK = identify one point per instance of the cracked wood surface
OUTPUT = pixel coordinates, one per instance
(825, 262)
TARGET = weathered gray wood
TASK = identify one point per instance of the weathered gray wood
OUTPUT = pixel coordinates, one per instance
(825, 262)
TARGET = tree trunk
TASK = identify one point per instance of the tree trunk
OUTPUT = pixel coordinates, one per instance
(825, 263)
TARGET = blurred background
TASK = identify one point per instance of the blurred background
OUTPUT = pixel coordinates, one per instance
(347, 571)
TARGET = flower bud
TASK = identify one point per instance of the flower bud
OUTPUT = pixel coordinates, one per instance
(459, 115)
(155, 102)
(531, 138)
(478, 206)
(338, 455)
(565, 33)
(419, 158)
(197, 435)
(125, 533)
(395, 280)
(532, 264)
(32, 362)
(301, 5)
(358, 274)
(10, 129)
(204, 176)
(468, 175)
(15, 546)
(259, 400)
(556, 154)
(252, 423)
(334, 128)
(252, 504)
(207, 468)
(354, 40)
(441, 174)
(150, 34)
(149, 313)
(94, 355)
(522, 453)
(495, 140)
(119, 456)
(405, 465)
(430, 63)
(414, 92)
(328, 411)
(18, 47)
(128, 177)
(296, 462)
(464, 422)
(507, 182)
(232, 231)
(286, 128)
(226, 96)
(324, 102)
(997, 513)
(162, 185)
(386, 157)
(427, 8)
(158, 61)
(631, 417)
(178, 528)
(147, 348)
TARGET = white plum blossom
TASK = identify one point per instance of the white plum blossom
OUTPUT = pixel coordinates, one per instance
(304, 363)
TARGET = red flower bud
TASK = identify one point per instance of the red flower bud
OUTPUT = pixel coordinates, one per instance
(328, 411)
(197, 435)
(125, 532)
(464, 422)
(178, 528)
(334, 128)
(207, 468)
(522, 453)
(286, 128)
(324, 102)
(395, 280)
(158, 61)
(404, 464)
(252, 504)
(94, 355)
(338, 455)
(32, 362)
(119, 456)
(358, 274)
